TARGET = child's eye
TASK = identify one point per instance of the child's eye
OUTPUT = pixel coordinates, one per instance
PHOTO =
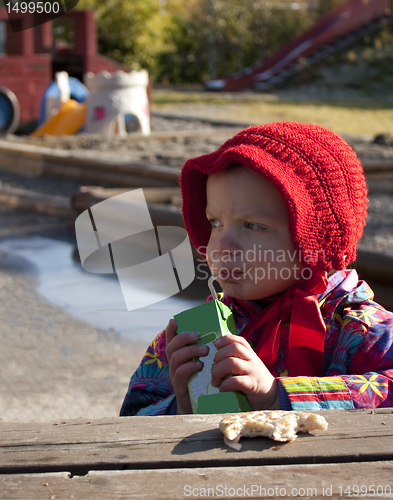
(252, 225)
(215, 222)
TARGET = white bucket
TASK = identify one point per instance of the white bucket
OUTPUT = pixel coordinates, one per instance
(117, 103)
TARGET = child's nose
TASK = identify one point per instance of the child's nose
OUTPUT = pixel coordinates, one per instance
(227, 243)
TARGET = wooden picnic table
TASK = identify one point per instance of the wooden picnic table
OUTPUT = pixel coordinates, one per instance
(173, 457)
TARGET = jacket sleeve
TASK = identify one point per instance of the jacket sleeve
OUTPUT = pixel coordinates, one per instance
(150, 390)
(359, 369)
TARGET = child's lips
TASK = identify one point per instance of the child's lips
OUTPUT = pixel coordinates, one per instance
(229, 276)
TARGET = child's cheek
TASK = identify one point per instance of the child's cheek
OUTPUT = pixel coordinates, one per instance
(209, 259)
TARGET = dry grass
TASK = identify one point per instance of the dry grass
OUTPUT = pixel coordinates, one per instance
(356, 116)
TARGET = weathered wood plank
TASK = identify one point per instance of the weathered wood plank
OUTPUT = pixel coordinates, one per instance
(306, 481)
(185, 441)
(371, 266)
(152, 195)
(36, 202)
(376, 164)
(37, 160)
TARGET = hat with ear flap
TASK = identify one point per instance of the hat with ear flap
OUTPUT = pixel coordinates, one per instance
(316, 172)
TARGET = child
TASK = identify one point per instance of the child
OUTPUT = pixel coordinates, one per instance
(278, 210)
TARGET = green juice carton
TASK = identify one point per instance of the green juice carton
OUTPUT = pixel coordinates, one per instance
(212, 320)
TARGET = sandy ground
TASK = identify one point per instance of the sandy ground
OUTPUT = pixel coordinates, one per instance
(53, 366)
(196, 137)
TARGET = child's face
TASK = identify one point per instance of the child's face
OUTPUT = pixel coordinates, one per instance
(250, 249)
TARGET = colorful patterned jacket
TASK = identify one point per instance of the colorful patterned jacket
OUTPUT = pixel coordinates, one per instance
(358, 355)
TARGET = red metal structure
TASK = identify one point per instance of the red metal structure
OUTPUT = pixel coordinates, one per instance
(334, 31)
(30, 57)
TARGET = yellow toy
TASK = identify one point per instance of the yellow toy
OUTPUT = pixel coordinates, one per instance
(67, 121)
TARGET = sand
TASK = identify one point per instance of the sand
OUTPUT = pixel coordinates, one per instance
(53, 366)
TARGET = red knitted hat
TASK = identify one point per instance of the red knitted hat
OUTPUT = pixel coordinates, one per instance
(316, 172)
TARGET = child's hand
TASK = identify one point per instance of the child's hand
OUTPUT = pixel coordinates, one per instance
(181, 364)
(238, 368)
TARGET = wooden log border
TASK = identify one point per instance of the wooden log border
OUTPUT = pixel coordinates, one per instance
(38, 160)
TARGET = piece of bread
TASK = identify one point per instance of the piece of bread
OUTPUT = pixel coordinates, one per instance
(275, 424)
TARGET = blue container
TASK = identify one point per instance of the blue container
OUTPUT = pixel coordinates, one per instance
(9, 111)
(78, 92)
